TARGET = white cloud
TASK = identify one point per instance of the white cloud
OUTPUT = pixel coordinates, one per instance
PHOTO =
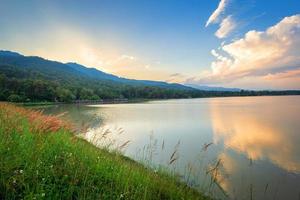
(226, 26)
(127, 57)
(215, 15)
(259, 54)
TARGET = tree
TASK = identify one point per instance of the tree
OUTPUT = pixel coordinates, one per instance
(85, 94)
(64, 95)
(14, 98)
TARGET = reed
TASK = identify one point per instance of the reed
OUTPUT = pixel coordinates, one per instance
(41, 158)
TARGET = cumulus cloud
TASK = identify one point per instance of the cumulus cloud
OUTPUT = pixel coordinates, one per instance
(226, 26)
(215, 15)
(273, 53)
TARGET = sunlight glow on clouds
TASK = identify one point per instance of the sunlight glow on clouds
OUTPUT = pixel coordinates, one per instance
(71, 44)
(215, 15)
(226, 26)
(122, 65)
(262, 55)
(129, 42)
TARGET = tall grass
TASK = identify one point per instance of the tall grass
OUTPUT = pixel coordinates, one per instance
(41, 158)
(202, 174)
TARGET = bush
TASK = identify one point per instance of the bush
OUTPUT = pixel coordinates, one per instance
(15, 98)
(95, 98)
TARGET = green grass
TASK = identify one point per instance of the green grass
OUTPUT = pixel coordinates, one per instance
(39, 160)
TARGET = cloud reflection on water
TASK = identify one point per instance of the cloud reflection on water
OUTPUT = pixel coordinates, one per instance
(260, 145)
(257, 133)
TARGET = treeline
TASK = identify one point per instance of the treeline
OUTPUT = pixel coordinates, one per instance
(20, 85)
(30, 90)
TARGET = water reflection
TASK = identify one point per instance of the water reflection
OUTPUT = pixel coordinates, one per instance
(256, 139)
(257, 133)
(261, 151)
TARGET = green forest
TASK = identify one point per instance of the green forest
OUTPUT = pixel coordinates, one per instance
(34, 79)
(21, 86)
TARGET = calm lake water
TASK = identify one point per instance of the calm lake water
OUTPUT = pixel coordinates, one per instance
(253, 141)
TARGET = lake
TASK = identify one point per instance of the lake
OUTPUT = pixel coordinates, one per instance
(250, 146)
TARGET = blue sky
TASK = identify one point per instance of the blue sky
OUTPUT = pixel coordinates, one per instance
(154, 39)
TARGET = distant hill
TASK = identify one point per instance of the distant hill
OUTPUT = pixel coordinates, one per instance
(9, 53)
(92, 72)
(58, 70)
(35, 79)
(99, 75)
(51, 68)
(32, 78)
(210, 88)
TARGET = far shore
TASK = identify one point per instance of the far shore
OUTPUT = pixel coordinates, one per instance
(129, 101)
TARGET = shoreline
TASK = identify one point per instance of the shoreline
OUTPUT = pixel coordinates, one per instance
(54, 160)
(132, 101)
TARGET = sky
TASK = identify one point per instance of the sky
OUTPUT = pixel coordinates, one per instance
(251, 44)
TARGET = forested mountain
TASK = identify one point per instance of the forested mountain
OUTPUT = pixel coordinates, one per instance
(99, 75)
(33, 79)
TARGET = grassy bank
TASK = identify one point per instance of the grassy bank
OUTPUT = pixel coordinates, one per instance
(41, 158)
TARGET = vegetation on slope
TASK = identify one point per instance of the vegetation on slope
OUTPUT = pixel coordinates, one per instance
(27, 78)
(34, 79)
(41, 158)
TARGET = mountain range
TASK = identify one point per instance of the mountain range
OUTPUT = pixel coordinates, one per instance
(35, 79)
(40, 64)
(45, 66)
